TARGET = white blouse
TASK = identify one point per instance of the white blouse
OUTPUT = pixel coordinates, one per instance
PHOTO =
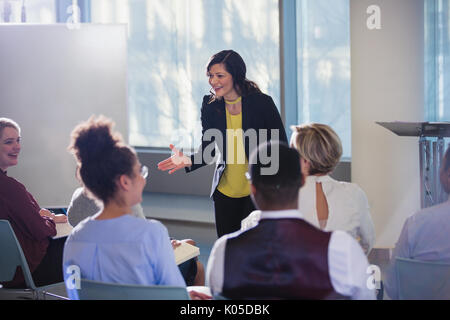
(348, 208)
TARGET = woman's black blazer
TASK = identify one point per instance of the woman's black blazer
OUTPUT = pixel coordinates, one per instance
(258, 112)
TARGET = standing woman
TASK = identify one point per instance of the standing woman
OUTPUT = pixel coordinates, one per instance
(237, 109)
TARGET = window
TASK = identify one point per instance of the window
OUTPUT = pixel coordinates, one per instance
(34, 11)
(437, 60)
(170, 43)
(323, 65)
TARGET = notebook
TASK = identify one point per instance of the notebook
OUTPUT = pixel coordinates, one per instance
(184, 252)
(62, 230)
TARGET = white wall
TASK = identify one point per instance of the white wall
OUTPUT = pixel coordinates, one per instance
(52, 78)
(387, 85)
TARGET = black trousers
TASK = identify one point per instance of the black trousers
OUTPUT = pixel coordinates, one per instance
(229, 212)
(188, 270)
(50, 269)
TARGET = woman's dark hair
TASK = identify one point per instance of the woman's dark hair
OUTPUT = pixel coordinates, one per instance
(102, 156)
(235, 65)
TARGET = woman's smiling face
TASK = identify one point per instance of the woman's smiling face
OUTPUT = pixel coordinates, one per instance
(9, 147)
(222, 82)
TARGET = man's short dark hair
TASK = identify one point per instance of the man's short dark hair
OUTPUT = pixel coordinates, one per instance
(282, 187)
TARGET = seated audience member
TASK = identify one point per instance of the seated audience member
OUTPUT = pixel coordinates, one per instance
(284, 256)
(326, 203)
(82, 206)
(114, 246)
(424, 234)
(34, 227)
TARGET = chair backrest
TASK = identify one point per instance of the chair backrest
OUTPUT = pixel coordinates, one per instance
(12, 256)
(94, 290)
(422, 280)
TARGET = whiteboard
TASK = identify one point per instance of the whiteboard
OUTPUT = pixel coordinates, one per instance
(51, 79)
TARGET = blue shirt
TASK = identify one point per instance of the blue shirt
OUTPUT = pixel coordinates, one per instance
(424, 237)
(125, 250)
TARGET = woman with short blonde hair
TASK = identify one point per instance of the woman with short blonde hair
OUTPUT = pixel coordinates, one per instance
(325, 202)
(319, 145)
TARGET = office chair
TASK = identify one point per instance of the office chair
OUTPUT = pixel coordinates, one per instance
(95, 290)
(11, 257)
(422, 280)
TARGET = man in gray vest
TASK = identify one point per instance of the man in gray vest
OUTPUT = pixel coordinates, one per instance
(283, 256)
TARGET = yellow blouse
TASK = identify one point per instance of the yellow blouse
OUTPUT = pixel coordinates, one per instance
(233, 182)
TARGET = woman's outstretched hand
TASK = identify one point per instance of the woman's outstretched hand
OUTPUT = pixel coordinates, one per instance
(176, 162)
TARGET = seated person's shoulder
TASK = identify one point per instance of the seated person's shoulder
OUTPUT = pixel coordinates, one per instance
(77, 193)
(81, 207)
(10, 185)
(80, 196)
(151, 225)
(352, 189)
(436, 214)
(345, 244)
(138, 224)
(342, 236)
(13, 193)
(127, 228)
(251, 220)
(350, 186)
